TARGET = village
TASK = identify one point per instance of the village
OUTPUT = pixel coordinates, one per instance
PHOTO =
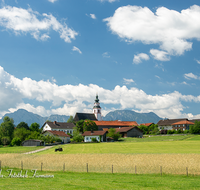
(89, 127)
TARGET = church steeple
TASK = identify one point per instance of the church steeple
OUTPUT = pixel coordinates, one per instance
(97, 109)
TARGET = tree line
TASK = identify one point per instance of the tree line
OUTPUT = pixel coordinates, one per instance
(14, 136)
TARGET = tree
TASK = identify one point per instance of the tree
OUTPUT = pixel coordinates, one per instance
(144, 128)
(79, 125)
(195, 129)
(112, 133)
(16, 141)
(35, 127)
(22, 133)
(7, 127)
(77, 137)
(90, 126)
(71, 119)
(22, 125)
(5, 140)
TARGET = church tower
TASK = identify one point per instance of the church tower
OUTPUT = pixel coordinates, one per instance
(97, 109)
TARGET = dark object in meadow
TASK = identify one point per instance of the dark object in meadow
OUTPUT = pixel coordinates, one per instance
(58, 149)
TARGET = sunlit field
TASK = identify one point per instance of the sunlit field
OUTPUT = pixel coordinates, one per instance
(167, 157)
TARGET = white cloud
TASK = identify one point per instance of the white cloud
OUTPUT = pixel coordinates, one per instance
(14, 91)
(76, 49)
(93, 16)
(157, 76)
(106, 55)
(52, 1)
(191, 76)
(23, 21)
(128, 81)
(198, 61)
(139, 57)
(110, 1)
(160, 55)
(170, 29)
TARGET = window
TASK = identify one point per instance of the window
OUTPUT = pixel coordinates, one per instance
(86, 138)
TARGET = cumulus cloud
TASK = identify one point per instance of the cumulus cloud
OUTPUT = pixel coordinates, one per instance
(139, 57)
(93, 16)
(76, 49)
(22, 21)
(69, 99)
(160, 55)
(191, 76)
(128, 81)
(170, 29)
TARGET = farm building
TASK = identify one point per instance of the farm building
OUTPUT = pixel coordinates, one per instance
(114, 124)
(59, 134)
(130, 132)
(33, 142)
(58, 126)
(99, 135)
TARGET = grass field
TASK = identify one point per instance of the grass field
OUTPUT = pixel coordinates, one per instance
(173, 154)
(18, 149)
(67, 180)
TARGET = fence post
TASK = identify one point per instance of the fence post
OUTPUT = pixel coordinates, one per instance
(21, 165)
(63, 167)
(41, 165)
(187, 171)
(135, 169)
(161, 170)
(87, 167)
(112, 169)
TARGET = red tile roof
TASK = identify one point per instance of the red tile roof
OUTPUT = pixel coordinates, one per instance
(58, 133)
(116, 123)
(146, 124)
(94, 133)
(186, 122)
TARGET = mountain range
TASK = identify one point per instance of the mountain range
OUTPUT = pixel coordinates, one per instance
(123, 115)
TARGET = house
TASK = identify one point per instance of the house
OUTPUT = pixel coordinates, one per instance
(99, 135)
(114, 124)
(33, 142)
(167, 123)
(84, 116)
(130, 131)
(182, 125)
(58, 126)
(59, 134)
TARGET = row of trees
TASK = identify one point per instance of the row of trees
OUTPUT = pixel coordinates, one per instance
(11, 135)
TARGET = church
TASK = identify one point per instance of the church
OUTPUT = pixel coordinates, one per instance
(95, 116)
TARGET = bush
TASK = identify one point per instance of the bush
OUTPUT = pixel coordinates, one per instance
(170, 131)
(94, 140)
(16, 141)
(186, 131)
(5, 140)
(163, 131)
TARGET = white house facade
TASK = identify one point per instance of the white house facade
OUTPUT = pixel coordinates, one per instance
(58, 126)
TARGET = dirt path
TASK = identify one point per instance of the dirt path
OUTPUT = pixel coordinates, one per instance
(45, 148)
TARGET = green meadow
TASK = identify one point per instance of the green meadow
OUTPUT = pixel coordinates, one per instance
(70, 180)
(149, 145)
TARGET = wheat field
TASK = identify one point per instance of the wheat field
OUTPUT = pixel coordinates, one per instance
(116, 163)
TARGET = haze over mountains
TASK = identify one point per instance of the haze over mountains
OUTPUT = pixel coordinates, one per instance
(123, 115)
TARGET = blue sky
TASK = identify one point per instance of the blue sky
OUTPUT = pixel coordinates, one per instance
(55, 55)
